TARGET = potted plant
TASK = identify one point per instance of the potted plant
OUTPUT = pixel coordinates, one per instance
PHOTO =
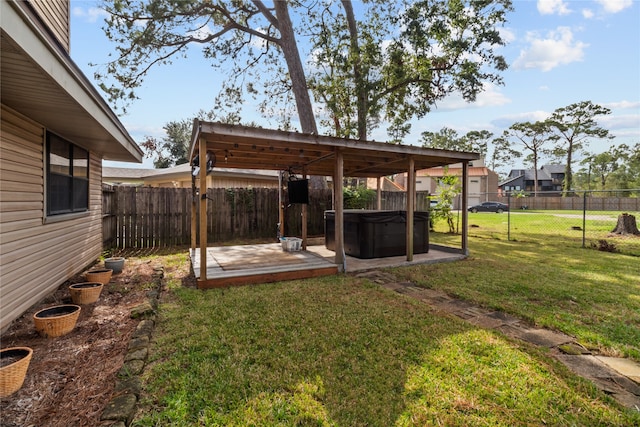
(114, 263)
(57, 320)
(102, 275)
(86, 292)
(14, 362)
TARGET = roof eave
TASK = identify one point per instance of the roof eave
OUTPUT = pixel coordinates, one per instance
(256, 148)
(56, 93)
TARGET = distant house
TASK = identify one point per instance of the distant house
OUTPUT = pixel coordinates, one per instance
(482, 181)
(180, 177)
(56, 130)
(550, 178)
(385, 184)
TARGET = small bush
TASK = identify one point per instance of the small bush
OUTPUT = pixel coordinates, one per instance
(358, 198)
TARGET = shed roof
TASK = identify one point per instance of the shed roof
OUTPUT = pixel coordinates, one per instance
(255, 148)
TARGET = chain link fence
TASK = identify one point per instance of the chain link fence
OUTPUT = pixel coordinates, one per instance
(603, 220)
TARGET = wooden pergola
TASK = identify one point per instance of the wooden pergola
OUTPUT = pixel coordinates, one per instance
(314, 155)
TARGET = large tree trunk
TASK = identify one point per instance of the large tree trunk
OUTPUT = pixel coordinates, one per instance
(626, 225)
(568, 174)
(296, 71)
(298, 79)
(361, 90)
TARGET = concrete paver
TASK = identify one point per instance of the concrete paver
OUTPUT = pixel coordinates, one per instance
(485, 322)
(626, 367)
(545, 337)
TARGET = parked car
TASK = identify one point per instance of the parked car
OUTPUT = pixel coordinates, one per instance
(489, 207)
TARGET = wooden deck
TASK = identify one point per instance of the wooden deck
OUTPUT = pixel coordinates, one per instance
(253, 264)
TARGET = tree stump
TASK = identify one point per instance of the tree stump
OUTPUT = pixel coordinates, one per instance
(626, 225)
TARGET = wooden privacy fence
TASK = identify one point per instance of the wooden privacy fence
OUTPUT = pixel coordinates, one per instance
(578, 203)
(620, 200)
(109, 223)
(147, 217)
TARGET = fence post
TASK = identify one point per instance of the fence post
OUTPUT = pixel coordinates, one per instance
(584, 219)
(509, 216)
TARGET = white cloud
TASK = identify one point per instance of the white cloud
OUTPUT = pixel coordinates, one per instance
(587, 13)
(558, 48)
(139, 131)
(551, 7)
(92, 14)
(622, 104)
(489, 97)
(629, 122)
(630, 136)
(530, 116)
(614, 6)
(507, 35)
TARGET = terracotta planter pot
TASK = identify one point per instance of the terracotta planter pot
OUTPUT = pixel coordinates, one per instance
(116, 264)
(57, 320)
(102, 275)
(85, 293)
(14, 363)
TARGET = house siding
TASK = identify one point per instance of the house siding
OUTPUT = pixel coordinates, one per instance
(31, 247)
(56, 16)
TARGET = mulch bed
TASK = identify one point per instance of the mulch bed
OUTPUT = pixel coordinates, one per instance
(71, 378)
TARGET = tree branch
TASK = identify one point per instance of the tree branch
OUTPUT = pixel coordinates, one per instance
(266, 12)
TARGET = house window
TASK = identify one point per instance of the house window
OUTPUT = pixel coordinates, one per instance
(67, 177)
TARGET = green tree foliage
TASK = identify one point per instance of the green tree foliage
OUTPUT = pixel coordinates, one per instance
(400, 58)
(173, 149)
(358, 198)
(502, 153)
(253, 40)
(448, 139)
(563, 137)
(534, 139)
(478, 141)
(448, 188)
(497, 152)
(573, 126)
(616, 168)
(392, 64)
(602, 165)
(445, 139)
(632, 168)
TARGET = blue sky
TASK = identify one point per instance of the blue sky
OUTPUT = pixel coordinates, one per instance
(559, 53)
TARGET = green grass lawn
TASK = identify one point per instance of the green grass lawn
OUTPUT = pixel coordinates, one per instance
(341, 351)
(561, 227)
(589, 294)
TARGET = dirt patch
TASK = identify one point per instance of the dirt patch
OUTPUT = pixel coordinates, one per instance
(71, 378)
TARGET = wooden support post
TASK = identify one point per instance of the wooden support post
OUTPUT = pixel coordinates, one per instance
(338, 201)
(305, 217)
(194, 217)
(411, 197)
(280, 206)
(202, 182)
(379, 193)
(463, 206)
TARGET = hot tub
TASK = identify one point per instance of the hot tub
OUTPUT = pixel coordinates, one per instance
(377, 234)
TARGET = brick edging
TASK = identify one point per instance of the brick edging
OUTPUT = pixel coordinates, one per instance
(122, 406)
